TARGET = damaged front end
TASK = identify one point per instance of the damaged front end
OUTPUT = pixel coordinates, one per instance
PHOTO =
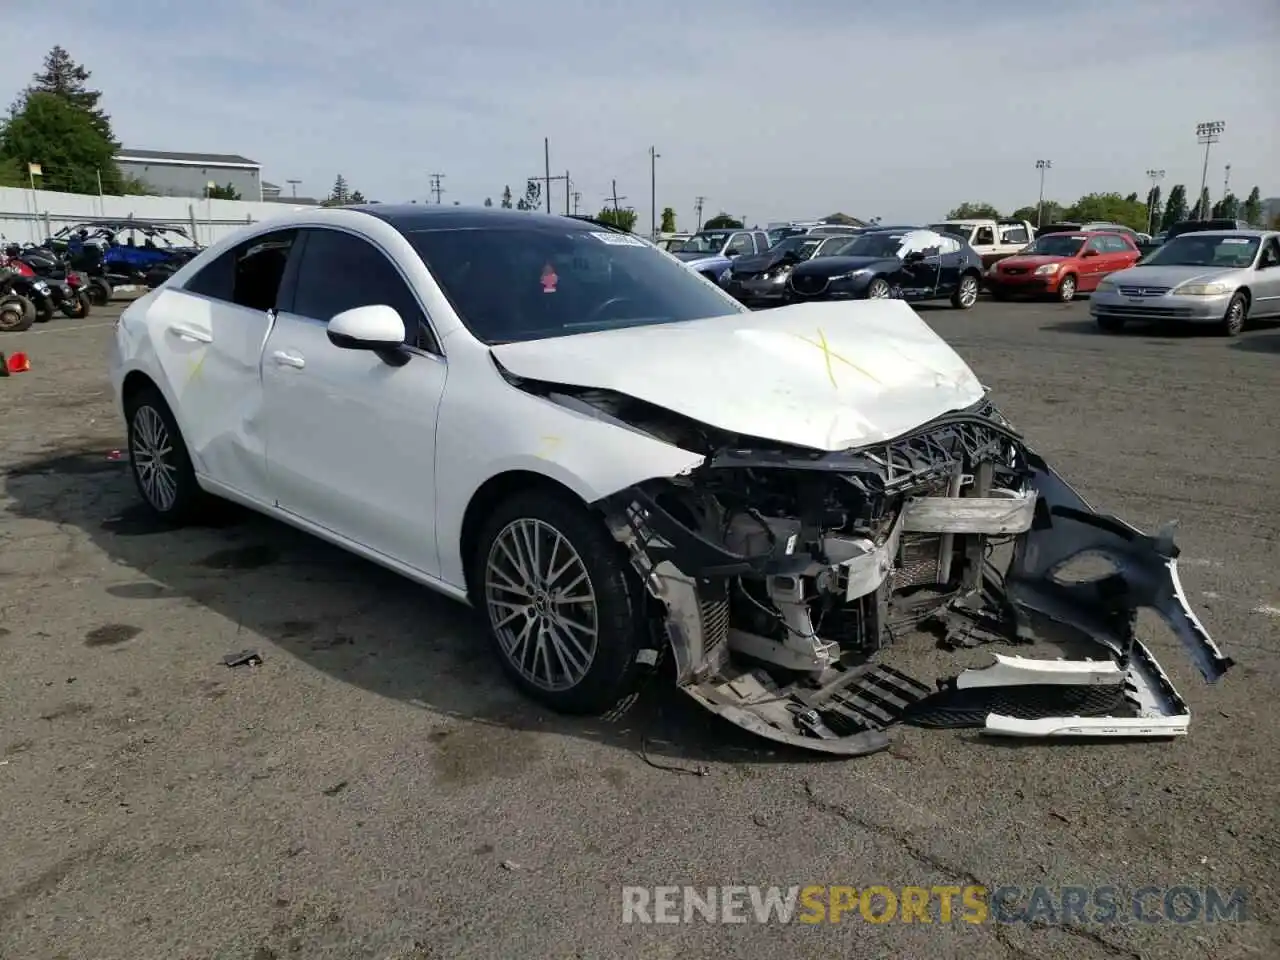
(784, 572)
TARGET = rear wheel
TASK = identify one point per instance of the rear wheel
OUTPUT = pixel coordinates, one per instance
(1234, 319)
(966, 295)
(158, 456)
(76, 307)
(99, 292)
(563, 608)
(878, 289)
(1067, 289)
(16, 313)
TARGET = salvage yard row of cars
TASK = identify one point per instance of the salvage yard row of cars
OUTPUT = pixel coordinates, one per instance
(626, 471)
(1222, 276)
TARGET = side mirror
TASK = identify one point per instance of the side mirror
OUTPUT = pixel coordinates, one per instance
(1091, 253)
(732, 253)
(377, 328)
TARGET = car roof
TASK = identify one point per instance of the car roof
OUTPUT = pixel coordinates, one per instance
(1222, 231)
(408, 217)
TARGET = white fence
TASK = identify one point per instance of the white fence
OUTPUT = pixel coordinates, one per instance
(28, 216)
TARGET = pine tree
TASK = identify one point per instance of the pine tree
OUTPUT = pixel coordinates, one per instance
(1251, 210)
(1153, 207)
(65, 78)
(488, 202)
(506, 198)
(1204, 207)
(1175, 207)
(356, 197)
(340, 193)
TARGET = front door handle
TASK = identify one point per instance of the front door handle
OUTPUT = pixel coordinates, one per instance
(283, 358)
(191, 334)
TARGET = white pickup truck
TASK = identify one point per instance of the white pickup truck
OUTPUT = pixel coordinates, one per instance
(992, 239)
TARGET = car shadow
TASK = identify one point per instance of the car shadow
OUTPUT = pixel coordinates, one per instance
(1268, 342)
(1153, 332)
(347, 617)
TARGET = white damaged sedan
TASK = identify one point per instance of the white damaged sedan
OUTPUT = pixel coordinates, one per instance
(612, 461)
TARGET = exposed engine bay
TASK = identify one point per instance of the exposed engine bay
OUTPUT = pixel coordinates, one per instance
(785, 571)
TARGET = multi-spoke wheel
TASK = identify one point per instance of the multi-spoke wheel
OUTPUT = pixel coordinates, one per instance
(878, 289)
(966, 294)
(158, 455)
(561, 603)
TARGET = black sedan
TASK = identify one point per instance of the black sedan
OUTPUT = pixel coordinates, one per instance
(899, 264)
(761, 280)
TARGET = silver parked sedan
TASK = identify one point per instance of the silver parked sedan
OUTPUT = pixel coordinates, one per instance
(1219, 277)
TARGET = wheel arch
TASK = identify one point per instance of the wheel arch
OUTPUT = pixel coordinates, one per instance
(1248, 295)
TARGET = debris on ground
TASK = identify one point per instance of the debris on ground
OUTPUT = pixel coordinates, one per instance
(245, 658)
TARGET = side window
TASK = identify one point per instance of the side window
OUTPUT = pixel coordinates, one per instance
(247, 275)
(1096, 244)
(740, 243)
(986, 236)
(949, 245)
(762, 242)
(1014, 235)
(340, 271)
(1270, 255)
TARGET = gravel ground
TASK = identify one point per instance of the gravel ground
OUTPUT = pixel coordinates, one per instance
(374, 789)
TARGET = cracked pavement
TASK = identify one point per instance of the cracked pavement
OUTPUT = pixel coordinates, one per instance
(375, 789)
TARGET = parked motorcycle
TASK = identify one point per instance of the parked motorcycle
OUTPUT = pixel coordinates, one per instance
(67, 288)
(16, 312)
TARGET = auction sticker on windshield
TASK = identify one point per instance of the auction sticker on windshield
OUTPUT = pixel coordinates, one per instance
(619, 239)
(1235, 240)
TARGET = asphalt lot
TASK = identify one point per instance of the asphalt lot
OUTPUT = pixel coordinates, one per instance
(374, 788)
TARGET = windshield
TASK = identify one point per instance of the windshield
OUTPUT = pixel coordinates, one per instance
(961, 230)
(802, 247)
(705, 243)
(871, 245)
(1205, 250)
(778, 234)
(1055, 245)
(516, 284)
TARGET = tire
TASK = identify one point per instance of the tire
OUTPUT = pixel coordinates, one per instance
(1067, 288)
(99, 292)
(1111, 324)
(77, 307)
(616, 605)
(15, 315)
(45, 313)
(154, 437)
(966, 295)
(1234, 319)
(878, 289)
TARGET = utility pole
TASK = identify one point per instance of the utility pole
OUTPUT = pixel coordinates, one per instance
(546, 157)
(1155, 176)
(435, 185)
(548, 180)
(577, 198)
(1226, 182)
(653, 193)
(697, 207)
(1042, 166)
(615, 198)
(294, 185)
(1208, 133)
(567, 184)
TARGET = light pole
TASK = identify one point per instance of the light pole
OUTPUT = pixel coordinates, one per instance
(294, 185)
(1155, 176)
(653, 193)
(1042, 166)
(1208, 133)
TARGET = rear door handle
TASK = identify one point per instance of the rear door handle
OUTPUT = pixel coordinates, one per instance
(190, 334)
(283, 358)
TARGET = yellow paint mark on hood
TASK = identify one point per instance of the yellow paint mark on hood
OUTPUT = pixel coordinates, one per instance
(828, 355)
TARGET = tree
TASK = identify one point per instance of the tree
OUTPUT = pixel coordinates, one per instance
(1205, 204)
(1132, 198)
(64, 78)
(340, 194)
(1109, 208)
(722, 221)
(623, 218)
(488, 202)
(1228, 208)
(532, 198)
(64, 141)
(1175, 208)
(668, 224)
(1052, 213)
(357, 197)
(506, 198)
(12, 173)
(1153, 208)
(224, 193)
(974, 211)
(1251, 211)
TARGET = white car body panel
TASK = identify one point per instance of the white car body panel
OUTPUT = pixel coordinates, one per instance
(829, 376)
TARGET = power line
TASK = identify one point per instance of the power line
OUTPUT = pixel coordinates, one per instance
(435, 185)
(577, 199)
(697, 206)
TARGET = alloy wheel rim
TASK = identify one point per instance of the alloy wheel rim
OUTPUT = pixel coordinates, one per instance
(879, 290)
(969, 291)
(541, 604)
(152, 454)
(1068, 289)
(1236, 316)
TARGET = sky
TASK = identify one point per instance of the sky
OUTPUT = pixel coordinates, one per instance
(769, 110)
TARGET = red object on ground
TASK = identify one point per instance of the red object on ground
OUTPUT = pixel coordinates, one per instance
(18, 363)
(549, 279)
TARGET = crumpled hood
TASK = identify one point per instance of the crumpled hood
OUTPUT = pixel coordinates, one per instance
(828, 376)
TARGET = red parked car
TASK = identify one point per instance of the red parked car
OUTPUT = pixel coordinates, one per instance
(1061, 265)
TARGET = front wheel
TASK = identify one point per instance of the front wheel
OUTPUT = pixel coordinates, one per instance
(562, 606)
(1067, 289)
(1233, 320)
(99, 291)
(76, 307)
(16, 314)
(878, 289)
(966, 295)
(158, 456)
